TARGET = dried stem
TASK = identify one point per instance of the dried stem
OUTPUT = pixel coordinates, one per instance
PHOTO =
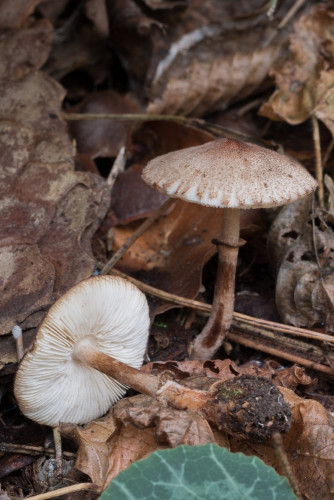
(117, 168)
(255, 328)
(59, 451)
(139, 231)
(66, 491)
(215, 403)
(285, 464)
(241, 319)
(32, 450)
(318, 162)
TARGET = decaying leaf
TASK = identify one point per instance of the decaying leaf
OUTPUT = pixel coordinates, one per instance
(190, 62)
(305, 79)
(304, 251)
(48, 212)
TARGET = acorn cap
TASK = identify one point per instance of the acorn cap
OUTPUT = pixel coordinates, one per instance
(229, 173)
(50, 385)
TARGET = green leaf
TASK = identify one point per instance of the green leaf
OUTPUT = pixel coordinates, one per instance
(198, 472)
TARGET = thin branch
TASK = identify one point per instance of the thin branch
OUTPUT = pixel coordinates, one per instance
(285, 464)
(117, 168)
(318, 162)
(67, 490)
(242, 318)
(144, 117)
(32, 450)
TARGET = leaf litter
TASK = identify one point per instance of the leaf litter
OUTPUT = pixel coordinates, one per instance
(59, 221)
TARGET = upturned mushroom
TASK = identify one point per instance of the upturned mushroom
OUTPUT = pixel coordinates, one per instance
(100, 317)
(232, 175)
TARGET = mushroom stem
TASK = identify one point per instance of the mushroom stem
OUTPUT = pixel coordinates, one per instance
(229, 405)
(214, 332)
(125, 374)
(168, 392)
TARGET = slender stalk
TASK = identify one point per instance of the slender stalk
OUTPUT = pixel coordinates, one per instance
(239, 318)
(285, 464)
(213, 334)
(318, 162)
(215, 403)
(141, 229)
(32, 450)
(66, 491)
(167, 392)
(87, 354)
(59, 451)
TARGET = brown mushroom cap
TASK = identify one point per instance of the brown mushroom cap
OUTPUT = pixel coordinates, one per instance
(229, 173)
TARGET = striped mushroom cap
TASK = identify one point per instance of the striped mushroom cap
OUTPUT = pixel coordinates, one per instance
(229, 173)
(50, 385)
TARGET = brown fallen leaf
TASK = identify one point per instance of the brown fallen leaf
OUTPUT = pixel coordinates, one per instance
(48, 212)
(292, 377)
(305, 78)
(189, 63)
(304, 253)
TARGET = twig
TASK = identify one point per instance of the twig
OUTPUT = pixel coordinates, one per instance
(243, 318)
(66, 491)
(141, 229)
(32, 450)
(278, 352)
(117, 168)
(271, 331)
(318, 163)
(285, 464)
(59, 451)
(314, 240)
(144, 117)
(291, 12)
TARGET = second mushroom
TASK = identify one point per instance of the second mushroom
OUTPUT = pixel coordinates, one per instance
(232, 175)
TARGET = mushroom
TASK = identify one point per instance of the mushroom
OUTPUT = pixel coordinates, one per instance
(232, 175)
(99, 317)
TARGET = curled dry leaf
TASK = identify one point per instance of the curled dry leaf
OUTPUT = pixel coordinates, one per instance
(292, 377)
(305, 79)
(305, 279)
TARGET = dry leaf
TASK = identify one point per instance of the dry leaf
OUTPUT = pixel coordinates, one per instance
(48, 212)
(190, 63)
(305, 79)
(304, 288)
